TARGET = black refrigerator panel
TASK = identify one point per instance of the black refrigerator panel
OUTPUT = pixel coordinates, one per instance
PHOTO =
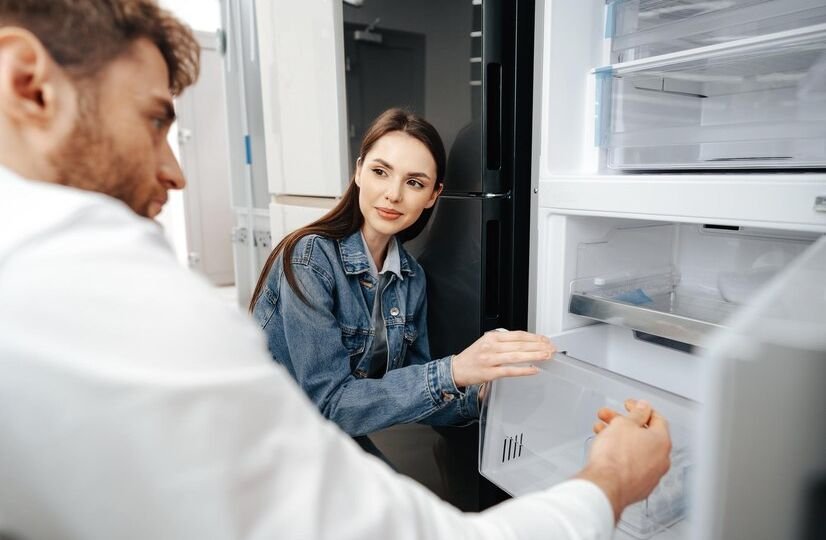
(450, 251)
(468, 256)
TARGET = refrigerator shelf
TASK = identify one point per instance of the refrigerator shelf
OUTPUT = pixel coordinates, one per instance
(676, 316)
(754, 103)
(645, 28)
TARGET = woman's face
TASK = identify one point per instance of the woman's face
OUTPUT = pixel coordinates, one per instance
(397, 181)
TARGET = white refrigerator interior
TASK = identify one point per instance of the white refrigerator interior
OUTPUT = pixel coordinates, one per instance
(302, 81)
(679, 167)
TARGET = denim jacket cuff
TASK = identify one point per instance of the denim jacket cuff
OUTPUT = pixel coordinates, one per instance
(470, 405)
(443, 389)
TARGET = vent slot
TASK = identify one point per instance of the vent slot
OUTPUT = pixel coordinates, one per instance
(512, 447)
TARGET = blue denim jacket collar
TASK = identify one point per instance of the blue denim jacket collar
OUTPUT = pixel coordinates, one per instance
(354, 259)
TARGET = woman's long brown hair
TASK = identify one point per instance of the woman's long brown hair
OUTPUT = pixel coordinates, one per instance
(346, 218)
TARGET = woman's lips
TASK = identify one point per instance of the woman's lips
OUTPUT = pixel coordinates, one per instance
(388, 213)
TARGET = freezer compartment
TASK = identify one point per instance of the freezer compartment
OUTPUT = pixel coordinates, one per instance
(674, 284)
(644, 28)
(537, 431)
(753, 103)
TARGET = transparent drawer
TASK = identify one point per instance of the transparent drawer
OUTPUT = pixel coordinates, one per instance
(755, 103)
(643, 28)
(536, 432)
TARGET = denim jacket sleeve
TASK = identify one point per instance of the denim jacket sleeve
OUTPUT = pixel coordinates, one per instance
(465, 407)
(307, 340)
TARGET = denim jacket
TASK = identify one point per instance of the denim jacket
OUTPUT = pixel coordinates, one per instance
(327, 345)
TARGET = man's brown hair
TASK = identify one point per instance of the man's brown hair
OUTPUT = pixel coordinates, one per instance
(83, 36)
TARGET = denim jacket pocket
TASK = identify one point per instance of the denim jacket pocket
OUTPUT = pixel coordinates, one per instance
(409, 336)
(410, 332)
(355, 341)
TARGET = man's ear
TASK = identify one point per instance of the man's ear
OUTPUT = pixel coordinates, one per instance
(29, 78)
(434, 196)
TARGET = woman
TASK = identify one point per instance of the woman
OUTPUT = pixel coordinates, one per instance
(347, 315)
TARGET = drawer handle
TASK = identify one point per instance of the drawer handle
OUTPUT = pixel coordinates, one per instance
(820, 203)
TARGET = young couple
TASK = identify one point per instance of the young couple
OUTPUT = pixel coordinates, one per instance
(348, 315)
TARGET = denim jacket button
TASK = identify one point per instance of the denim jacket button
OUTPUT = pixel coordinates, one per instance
(394, 311)
(447, 397)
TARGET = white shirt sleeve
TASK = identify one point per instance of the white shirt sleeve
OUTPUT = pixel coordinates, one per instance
(135, 404)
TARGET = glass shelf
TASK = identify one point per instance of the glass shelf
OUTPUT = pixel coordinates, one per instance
(644, 28)
(755, 103)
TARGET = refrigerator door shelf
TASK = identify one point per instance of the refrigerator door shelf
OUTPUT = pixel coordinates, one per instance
(753, 103)
(644, 28)
(537, 431)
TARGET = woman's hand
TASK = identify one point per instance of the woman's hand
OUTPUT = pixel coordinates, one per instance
(495, 355)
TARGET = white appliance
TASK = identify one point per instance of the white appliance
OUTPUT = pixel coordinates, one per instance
(679, 156)
(304, 109)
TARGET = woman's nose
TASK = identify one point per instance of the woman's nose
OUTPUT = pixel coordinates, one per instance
(393, 192)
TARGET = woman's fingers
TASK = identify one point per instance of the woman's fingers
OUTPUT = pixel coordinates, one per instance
(518, 358)
(517, 335)
(513, 371)
(523, 346)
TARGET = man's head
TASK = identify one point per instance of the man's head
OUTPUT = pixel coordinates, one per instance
(86, 91)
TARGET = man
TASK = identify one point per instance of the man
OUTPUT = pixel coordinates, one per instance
(132, 403)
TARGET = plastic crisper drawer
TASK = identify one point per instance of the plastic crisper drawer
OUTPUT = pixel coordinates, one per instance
(754, 103)
(644, 28)
(537, 432)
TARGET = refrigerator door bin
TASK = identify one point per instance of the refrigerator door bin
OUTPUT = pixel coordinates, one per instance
(643, 28)
(753, 103)
(537, 430)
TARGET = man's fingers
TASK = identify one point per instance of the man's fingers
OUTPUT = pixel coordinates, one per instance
(640, 414)
(599, 426)
(606, 414)
(629, 404)
(658, 422)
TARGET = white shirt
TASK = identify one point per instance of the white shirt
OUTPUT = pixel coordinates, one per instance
(135, 404)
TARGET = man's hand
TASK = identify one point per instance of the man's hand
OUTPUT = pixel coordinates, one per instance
(629, 455)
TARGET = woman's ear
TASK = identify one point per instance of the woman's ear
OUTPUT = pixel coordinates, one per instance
(357, 172)
(435, 195)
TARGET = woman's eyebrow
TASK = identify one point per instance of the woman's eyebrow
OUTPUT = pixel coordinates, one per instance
(390, 167)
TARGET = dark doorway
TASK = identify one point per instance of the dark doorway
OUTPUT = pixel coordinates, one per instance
(385, 68)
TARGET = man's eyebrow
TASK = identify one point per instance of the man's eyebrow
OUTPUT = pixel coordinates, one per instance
(413, 174)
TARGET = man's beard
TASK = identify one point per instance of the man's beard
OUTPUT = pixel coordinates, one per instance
(89, 158)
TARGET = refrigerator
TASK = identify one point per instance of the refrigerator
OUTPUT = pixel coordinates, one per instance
(679, 165)
(466, 66)
(249, 194)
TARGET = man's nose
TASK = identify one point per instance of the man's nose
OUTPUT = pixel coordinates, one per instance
(170, 174)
